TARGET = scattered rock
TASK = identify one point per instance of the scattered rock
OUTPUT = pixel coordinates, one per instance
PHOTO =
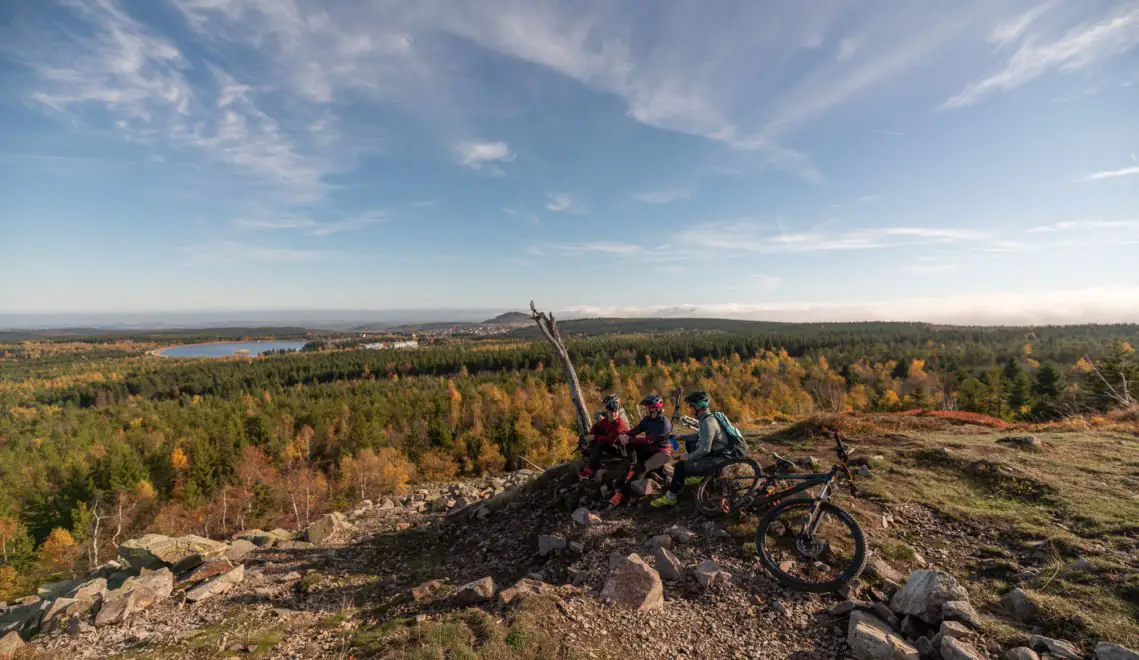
(871, 639)
(643, 487)
(210, 569)
(218, 585)
(680, 534)
(882, 612)
(1058, 648)
(62, 608)
(53, 590)
(585, 517)
(239, 549)
(1019, 604)
(955, 630)
(181, 553)
(660, 541)
(924, 647)
(426, 590)
(387, 504)
(954, 649)
(709, 574)
(845, 607)
(960, 610)
(77, 626)
(576, 547)
(877, 567)
(522, 589)
(1081, 566)
(668, 565)
(634, 584)
(10, 644)
(1021, 653)
(90, 589)
(475, 592)
(326, 527)
(615, 558)
(1022, 442)
(924, 593)
(161, 582)
(548, 543)
(1108, 651)
(122, 605)
(864, 471)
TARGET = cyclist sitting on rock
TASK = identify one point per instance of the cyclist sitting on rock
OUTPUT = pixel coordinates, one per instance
(602, 438)
(651, 452)
(707, 451)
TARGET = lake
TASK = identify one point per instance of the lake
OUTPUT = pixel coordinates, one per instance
(248, 348)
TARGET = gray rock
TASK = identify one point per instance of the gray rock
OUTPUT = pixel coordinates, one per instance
(239, 549)
(925, 592)
(576, 547)
(523, 589)
(924, 647)
(426, 590)
(870, 638)
(961, 610)
(1020, 653)
(954, 649)
(160, 582)
(1108, 651)
(955, 630)
(53, 590)
(643, 487)
(1059, 648)
(181, 553)
(475, 592)
(845, 607)
(387, 504)
(660, 541)
(106, 570)
(680, 534)
(634, 584)
(548, 543)
(77, 626)
(882, 612)
(89, 589)
(123, 604)
(206, 571)
(1022, 442)
(1019, 604)
(877, 567)
(615, 558)
(326, 528)
(10, 644)
(709, 574)
(585, 517)
(217, 586)
(668, 565)
(864, 471)
(62, 609)
(1081, 566)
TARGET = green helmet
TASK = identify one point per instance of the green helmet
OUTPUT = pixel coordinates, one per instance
(698, 399)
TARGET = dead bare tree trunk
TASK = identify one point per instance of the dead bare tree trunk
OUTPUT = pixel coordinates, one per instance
(549, 328)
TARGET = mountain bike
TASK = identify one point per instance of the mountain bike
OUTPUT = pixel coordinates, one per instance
(810, 544)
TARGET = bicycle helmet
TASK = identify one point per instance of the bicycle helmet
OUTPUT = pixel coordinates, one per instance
(653, 401)
(611, 402)
(698, 399)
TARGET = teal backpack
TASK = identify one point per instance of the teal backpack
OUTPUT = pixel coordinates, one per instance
(737, 445)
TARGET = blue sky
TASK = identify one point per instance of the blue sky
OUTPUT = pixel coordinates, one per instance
(973, 161)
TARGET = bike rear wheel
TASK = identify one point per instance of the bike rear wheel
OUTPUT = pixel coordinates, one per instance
(819, 560)
(728, 488)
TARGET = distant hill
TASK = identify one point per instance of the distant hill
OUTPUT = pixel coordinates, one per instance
(509, 318)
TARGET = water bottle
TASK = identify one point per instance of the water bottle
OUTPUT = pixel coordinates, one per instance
(675, 444)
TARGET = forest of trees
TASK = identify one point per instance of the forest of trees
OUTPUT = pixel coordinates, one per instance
(99, 442)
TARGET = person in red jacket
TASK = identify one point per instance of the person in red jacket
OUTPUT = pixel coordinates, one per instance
(650, 445)
(602, 438)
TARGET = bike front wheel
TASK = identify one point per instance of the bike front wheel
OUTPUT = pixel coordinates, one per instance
(809, 549)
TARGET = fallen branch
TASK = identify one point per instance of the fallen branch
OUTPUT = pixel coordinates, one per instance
(549, 328)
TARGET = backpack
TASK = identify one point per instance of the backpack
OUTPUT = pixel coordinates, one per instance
(737, 445)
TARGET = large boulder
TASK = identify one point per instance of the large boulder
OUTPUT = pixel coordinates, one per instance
(680, 534)
(960, 610)
(207, 571)
(953, 648)
(53, 590)
(870, 638)
(924, 594)
(10, 644)
(667, 565)
(89, 589)
(475, 592)
(1057, 648)
(1021, 653)
(709, 574)
(63, 608)
(217, 586)
(326, 527)
(426, 590)
(634, 584)
(161, 582)
(1108, 651)
(239, 548)
(181, 553)
(523, 589)
(1020, 605)
(122, 605)
(16, 616)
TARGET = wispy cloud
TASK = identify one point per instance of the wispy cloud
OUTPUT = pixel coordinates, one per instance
(1086, 225)
(865, 199)
(236, 251)
(663, 196)
(560, 202)
(311, 227)
(847, 48)
(883, 131)
(480, 155)
(1012, 28)
(1111, 174)
(1036, 54)
(598, 247)
(751, 236)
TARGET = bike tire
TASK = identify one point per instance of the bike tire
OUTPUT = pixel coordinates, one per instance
(711, 502)
(853, 570)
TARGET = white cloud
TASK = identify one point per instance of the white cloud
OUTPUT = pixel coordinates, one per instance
(765, 282)
(559, 202)
(598, 247)
(865, 199)
(847, 48)
(883, 131)
(751, 236)
(1082, 46)
(311, 227)
(477, 155)
(663, 196)
(1111, 174)
(1103, 304)
(1011, 29)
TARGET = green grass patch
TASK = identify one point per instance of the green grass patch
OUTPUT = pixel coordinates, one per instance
(896, 550)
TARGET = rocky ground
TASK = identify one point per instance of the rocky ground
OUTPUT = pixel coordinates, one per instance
(979, 551)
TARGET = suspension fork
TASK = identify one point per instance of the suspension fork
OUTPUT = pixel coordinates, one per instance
(812, 524)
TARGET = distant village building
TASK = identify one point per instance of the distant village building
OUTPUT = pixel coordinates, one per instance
(407, 343)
